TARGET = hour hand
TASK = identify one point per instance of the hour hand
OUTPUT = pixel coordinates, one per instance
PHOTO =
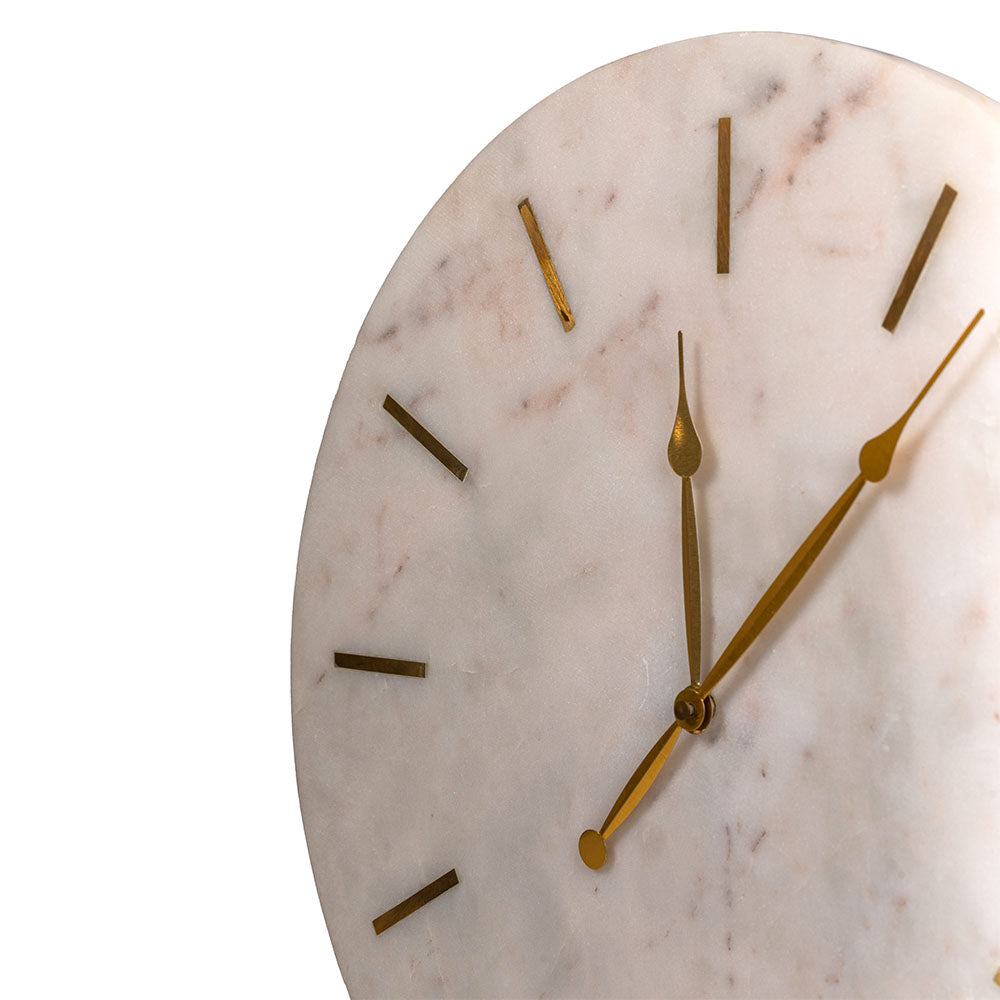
(684, 455)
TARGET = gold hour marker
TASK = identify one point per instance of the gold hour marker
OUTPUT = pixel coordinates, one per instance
(919, 258)
(722, 198)
(380, 664)
(424, 436)
(414, 902)
(548, 268)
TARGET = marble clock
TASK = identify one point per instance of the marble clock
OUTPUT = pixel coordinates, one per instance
(646, 627)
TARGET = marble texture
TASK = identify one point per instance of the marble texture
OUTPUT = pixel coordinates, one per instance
(834, 831)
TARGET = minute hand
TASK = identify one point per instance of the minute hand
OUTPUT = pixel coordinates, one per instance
(874, 460)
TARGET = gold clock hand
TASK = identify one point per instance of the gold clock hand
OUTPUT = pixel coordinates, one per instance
(690, 706)
(593, 847)
(684, 456)
(874, 460)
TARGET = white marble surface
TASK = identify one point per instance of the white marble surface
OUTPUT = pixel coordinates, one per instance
(834, 832)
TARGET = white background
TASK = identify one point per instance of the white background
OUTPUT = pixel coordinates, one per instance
(198, 202)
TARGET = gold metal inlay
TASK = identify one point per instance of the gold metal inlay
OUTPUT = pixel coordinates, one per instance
(874, 460)
(424, 436)
(684, 456)
(413, 903)
(919, 258)
(722, 198)
(548, 268)
(380, 664)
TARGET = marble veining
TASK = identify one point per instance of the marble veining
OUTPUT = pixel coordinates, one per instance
(834, 831)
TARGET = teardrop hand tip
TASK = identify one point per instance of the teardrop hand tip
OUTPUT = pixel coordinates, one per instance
(593, 850)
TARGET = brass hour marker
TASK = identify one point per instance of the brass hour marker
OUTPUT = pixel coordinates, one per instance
(380, 664)
(424, 436)
(548, 268)
(414, 902)
(722, 199)
(919, 258)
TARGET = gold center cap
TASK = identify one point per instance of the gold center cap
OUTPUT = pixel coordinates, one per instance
(692, 711)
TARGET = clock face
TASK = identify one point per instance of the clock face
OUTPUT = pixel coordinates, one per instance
(498, 595)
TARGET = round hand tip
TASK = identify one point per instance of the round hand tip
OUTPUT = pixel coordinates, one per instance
(592, 849)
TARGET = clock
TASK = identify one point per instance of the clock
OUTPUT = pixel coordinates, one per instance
(646, 624)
